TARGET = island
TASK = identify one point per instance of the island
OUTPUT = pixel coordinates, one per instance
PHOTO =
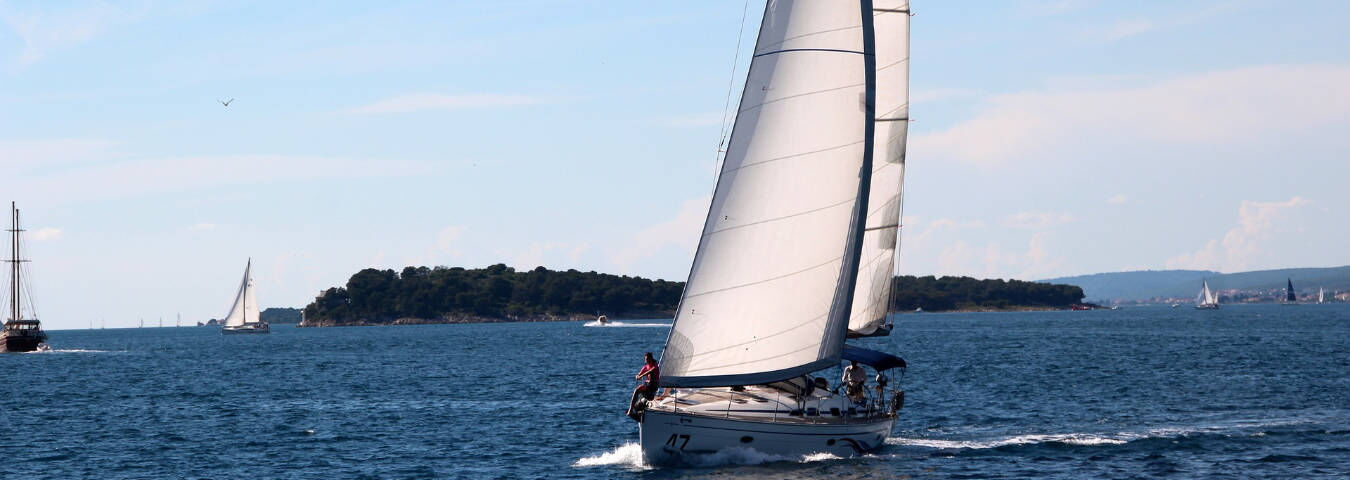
(498, 293)
(938, 294)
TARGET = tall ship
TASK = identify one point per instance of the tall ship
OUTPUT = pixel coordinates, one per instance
(244, 316)
(798, 250)
(1207, 299)
(23, 331)
(1290, 298)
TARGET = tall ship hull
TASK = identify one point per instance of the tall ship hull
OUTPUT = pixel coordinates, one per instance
(21, 343)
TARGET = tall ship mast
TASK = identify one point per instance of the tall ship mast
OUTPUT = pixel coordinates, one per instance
(22, 333)
(798, 250)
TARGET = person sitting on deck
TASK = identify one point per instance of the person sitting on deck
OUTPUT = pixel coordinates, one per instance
(647, 390)
(854, 378)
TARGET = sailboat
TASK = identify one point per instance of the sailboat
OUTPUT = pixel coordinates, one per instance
(21, 333)
(1290, 298)
(244, 317)
(1206, 300)
(1321, 295)
(798, 250)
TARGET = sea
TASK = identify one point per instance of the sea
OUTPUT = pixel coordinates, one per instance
(1260, 391)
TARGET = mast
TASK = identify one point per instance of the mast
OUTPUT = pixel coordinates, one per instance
(15, 273)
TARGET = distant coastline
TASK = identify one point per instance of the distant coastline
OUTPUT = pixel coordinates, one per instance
(468, 318)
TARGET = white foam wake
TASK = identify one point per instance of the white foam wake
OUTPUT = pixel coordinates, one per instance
(1087, 439)
(630, 455)
(69, 350)
(624, 324)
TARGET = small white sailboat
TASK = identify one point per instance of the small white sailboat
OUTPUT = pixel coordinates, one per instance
(797, 253)
(244, 316)
(1321, 295)
(1207, 299)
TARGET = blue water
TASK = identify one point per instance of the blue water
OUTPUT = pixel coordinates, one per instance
(1247, 391)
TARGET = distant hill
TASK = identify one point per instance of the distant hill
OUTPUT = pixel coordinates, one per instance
(280, 315)
(1145, 285)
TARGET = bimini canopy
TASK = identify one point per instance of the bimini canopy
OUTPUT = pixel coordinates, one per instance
(872, 358)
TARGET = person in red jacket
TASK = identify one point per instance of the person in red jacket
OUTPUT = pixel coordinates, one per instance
(652, 373)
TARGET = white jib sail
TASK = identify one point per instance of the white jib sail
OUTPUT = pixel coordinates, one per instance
(244, 310)
(769, 291)
(876, 269)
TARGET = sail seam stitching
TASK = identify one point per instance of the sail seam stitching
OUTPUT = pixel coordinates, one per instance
(757, 282)
(771, 220)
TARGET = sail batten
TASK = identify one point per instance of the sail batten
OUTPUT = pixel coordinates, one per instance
(770, 290)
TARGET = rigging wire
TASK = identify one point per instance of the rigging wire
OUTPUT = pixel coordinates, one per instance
(726, 105)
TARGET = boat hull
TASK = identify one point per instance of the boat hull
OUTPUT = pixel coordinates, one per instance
(671, 438)
(16, 344)
(246, 329)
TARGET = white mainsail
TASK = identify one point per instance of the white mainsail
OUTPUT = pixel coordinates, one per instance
(771, 287)
(1321, 295)
(244, 310)
(876, 269)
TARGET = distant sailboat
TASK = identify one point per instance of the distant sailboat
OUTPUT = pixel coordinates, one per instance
(797, 252)
(1289, 297)
(244, 316)
(1321, 295)
(21, 333)
(1207, 299)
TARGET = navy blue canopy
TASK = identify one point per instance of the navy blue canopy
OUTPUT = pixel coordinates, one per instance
(872, 358)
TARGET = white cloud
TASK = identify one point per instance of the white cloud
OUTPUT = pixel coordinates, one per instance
(22, 155)
(992, 260)
(682, 232)
(1118, 199)
(51, 29)
(418, 102)
(1232, 107)
(1037, 220)
(202, 226)
(116, 179)
(1242, 245)
(1128, 28)
(940, 94)
(46, 233)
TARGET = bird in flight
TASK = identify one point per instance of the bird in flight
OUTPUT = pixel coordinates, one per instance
(225, 102)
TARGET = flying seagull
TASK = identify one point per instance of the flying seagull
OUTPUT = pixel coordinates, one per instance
(225, 102)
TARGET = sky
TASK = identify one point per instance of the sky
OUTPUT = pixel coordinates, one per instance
(1050, 138)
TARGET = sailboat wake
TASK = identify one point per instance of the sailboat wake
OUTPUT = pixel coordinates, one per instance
(71, 350)
(630, 455)
(623, 324)
(1090, 439)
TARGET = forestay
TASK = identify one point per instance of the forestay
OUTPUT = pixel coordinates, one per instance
(871, 299)
(244, 310)
(771, 286)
